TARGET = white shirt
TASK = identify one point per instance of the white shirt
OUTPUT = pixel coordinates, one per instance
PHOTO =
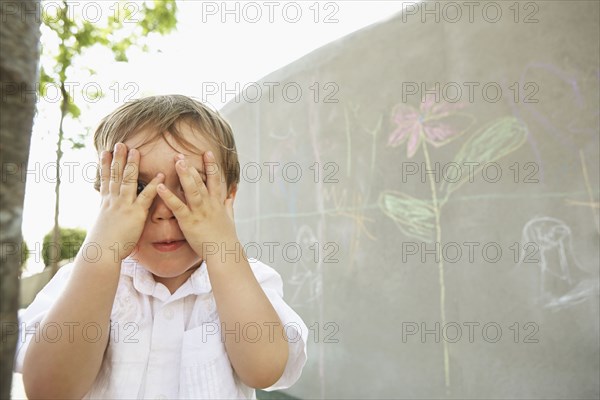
(165, 345)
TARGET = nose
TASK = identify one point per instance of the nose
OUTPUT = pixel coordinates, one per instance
(159, 211)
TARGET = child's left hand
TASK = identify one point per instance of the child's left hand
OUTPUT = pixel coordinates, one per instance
(205, 218)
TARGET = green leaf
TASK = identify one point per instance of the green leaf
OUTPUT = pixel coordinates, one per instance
(160, 17)
(44, 77)
(414, 217)
(86, 36)
(488, 144)
(45, 80)
(76, 145)
(73, 110)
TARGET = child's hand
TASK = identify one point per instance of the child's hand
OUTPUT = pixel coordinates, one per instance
(123, 212)
(205, 217)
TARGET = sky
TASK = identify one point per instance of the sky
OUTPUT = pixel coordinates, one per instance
(216, 46)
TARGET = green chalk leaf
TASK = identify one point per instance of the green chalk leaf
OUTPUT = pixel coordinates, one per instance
(490, 143)
(414, 217)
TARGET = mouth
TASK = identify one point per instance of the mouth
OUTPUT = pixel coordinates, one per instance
(168, 245)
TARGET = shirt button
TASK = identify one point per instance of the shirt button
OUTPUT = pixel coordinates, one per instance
(168, 313)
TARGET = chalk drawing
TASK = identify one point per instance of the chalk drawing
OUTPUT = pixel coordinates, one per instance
(337, 201)
(569, 124)
(489, 143)
(306, 275)
(436, 124)
(563, 282)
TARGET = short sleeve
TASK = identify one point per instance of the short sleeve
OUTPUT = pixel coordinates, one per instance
(295, 329)
(35, 313)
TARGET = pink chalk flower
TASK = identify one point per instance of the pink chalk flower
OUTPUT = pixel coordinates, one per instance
(435, 122)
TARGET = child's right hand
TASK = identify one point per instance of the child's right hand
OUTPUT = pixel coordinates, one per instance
(123, 212)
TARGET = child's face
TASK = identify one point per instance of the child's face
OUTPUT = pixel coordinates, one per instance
(171, 264)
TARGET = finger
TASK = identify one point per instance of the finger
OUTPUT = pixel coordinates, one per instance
(116, 169)
(147, 195)
(177, 207)
(105, 159)
(191, 182)
(130, 175)
(213, 174)
(199, 178)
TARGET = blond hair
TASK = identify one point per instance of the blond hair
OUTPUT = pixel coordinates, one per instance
(160, 115)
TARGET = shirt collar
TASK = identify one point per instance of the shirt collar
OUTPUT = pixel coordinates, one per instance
(143, 281)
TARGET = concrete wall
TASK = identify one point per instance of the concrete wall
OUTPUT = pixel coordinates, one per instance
(464, 284)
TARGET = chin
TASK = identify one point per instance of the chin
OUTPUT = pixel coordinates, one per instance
(169, 266)
(170, 271)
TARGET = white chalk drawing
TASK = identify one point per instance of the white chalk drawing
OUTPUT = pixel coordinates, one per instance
(563, 282)
(306, 276)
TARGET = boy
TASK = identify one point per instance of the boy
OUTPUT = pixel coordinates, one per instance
(160, 301)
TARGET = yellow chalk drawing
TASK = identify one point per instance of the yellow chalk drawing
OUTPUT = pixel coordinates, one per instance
(436, 125)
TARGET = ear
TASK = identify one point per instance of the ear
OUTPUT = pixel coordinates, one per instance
(232, 192)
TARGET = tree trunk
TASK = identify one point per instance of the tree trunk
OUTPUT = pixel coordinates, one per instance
(19, 56)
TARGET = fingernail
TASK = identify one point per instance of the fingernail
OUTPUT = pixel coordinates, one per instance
(116, 146)
(210, 154)
(161, 187)
(130, 155)
(182, 164)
